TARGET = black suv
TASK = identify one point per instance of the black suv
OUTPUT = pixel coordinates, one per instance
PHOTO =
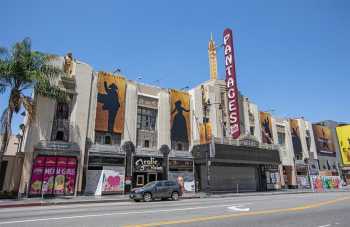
(156, 190)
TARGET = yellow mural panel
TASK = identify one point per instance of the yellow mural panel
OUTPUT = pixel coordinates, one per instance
(343, 133)
(110, 110)
(180, 116)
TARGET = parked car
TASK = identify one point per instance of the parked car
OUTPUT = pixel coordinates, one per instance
(156, 190)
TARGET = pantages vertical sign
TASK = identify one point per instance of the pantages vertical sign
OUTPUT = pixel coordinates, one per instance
(231, 84)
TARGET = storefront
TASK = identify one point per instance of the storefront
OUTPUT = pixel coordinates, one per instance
(233, 168)
(54, 170)
(106, 171)
(147, 169)
(181, 170)
(289, 177)
(302, 172)
(273, 178)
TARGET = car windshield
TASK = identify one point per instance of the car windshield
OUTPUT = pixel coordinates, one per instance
(150, 184)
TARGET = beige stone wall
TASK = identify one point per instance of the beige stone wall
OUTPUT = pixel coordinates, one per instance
(40, 128)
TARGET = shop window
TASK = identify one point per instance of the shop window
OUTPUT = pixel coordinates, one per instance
(146, 143)
(140, 180)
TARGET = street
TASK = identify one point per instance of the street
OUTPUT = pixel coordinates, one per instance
(311, 209)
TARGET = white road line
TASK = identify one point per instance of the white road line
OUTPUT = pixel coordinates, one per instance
(111, 214)
(324, 225)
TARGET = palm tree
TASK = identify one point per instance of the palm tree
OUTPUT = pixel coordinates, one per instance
(22, 70)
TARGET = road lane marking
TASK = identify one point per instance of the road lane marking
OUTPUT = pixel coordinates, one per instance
(217, 217)
(239, 208)
(324, 225)
(115, 213)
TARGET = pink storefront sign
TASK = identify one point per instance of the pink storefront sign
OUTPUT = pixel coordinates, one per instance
(70, 175)
(60, 175)
(37, 176)
(49, 175)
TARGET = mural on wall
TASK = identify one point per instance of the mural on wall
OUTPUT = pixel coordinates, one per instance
(323, 139)
(205, 133)
(321, 183)
(266, 127)
(180, 116)
(185, 179)
(110, 103)
(295, 131)
(343, 133)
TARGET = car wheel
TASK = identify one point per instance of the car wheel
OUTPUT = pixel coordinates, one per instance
(136, 200)
(175, 196)
(147, 197)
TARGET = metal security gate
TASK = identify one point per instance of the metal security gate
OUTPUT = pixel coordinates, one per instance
(233, 178)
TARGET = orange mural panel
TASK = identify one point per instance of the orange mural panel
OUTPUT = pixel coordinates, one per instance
(110, 110)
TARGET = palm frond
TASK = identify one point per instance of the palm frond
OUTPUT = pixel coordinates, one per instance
(47, 89)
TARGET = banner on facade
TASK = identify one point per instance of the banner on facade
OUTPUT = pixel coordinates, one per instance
(266, 127)
(231, 84)
(324, 140)
(110, 108)
(205, 133)
(180, 117)
(343, 133)
(295, 132)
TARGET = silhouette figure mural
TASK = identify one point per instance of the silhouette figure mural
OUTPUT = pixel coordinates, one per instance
(265, 121)
(180, 116)
(179, 127)
(110, 103)
(296, 137)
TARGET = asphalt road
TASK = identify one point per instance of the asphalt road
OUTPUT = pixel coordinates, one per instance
(316, 210)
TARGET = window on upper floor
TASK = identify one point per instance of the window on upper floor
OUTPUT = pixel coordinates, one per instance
(146, 118)
(107, 138)
(252, 130)
(308, 140)
(281, 138)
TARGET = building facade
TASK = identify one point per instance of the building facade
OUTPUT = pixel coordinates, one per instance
(115, 134)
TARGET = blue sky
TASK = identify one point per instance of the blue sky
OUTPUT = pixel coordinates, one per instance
(291, 56)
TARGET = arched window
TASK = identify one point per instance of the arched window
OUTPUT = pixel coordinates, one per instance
(59, 136)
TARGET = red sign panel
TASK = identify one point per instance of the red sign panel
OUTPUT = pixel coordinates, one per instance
(231, 84)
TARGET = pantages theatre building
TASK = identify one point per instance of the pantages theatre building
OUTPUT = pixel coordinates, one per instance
(116, 134)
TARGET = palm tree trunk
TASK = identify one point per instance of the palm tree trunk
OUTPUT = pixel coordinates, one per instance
(6, 135)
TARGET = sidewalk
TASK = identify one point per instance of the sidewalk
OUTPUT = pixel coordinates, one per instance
(26, 202)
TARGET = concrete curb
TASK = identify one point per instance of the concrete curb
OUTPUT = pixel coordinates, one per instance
(53, 203)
